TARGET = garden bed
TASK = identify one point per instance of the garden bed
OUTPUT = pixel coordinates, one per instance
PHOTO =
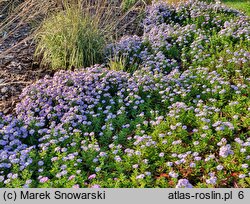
(166, 109)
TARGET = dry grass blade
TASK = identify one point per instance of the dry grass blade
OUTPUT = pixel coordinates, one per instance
(25, 13)
(126, 14)
(15, 82)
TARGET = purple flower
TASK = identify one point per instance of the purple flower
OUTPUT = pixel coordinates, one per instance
(71, 177)
(135, 166)
(212, 180)
(76, 186)
(183, 183)
(92, 176)
(40, 163)
(244, 166)
(141, 176)
(118, 159)
(161, 154)
(225, 151)
(97, 169)
(173, 174)
(219, 167)
(169, 164)
(44, 179)
(242, 176)
(96, 186)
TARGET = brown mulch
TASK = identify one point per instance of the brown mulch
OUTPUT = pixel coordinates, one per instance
(17, 70)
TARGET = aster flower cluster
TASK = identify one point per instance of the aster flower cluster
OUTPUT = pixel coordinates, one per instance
(180, 120)
(192, 33)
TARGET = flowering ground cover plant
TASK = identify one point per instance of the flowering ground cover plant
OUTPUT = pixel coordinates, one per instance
(176, 115)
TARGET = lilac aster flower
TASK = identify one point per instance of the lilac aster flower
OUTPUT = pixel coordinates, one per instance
(225, 150)
(44, 179)
(118, 159)
(92, 176)
(183, 183)
(169, 163)
(173, 174)
(76, 186)
(141, 176)
(161, 154)
(135, 166)
(244, 166)
(242, 176)
(40, 163)
(96, 186)
(29, 181)
(211, 180)
(1, 178)
(71, 177)
(219, 167)
(97, 169)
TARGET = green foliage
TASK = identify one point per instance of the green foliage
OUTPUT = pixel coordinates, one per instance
(118, 64)
(127, 4)
(243, 5)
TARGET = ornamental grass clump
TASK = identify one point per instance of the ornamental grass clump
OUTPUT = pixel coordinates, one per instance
(70, 38)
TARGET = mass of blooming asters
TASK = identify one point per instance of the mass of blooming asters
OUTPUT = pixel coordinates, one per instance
(181, 119)
(188, 35)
